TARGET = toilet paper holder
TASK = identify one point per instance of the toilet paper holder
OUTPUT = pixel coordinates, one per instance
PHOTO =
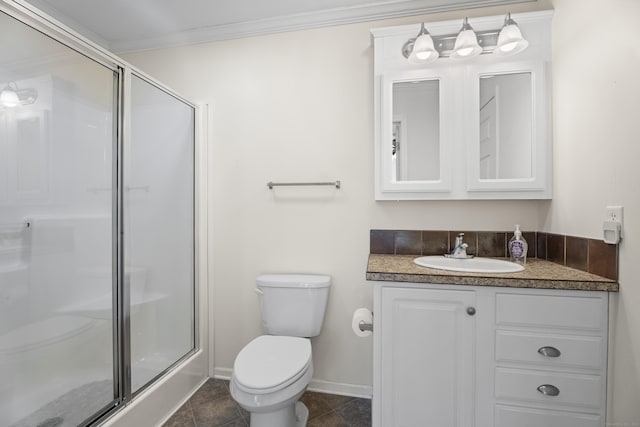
(362, 322)
(364, 326)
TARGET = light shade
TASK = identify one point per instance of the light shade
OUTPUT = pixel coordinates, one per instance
(423, 51)
(466, 45)
(510, 40)
(9, 97)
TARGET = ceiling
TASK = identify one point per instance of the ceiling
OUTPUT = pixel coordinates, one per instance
(128, 25)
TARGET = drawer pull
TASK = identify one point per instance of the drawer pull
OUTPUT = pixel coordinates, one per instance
(548, 351)
(549, 390)
(471, 311)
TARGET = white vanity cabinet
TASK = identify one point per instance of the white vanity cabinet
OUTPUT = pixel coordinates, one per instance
(550, 359)
(421, 329)
(477, 356)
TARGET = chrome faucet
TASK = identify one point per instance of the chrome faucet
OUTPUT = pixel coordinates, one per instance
(459, 249)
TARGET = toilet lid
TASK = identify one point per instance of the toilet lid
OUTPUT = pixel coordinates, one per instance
(269, 362)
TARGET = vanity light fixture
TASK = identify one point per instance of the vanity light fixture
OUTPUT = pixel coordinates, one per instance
(510, 40)
(467, 43)
(423, 51)
(11, 96)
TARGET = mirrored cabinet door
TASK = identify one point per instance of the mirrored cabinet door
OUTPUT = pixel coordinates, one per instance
(413, 145)
(508, 138)
(505, 114)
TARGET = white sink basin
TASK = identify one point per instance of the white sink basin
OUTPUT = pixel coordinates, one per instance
(470, 265)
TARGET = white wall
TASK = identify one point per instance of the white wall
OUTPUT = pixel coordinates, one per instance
(596, 149)
(299, 106)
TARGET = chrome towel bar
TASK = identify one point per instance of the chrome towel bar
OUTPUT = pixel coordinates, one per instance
(272, 184)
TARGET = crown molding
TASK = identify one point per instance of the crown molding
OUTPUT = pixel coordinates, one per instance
(325, 18)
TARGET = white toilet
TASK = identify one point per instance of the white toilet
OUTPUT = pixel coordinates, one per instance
(272, 371)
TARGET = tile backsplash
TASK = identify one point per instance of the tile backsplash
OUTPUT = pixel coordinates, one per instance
(590, 255)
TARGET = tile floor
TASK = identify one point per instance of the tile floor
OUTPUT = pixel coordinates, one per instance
(212, 405)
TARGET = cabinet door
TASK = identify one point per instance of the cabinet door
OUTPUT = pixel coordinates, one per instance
(413, 141)
(427, 357)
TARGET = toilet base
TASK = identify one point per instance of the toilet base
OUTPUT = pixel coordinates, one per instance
(295, 415)
(302, 414)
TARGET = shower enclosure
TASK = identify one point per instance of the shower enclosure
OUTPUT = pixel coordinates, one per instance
(97, 246)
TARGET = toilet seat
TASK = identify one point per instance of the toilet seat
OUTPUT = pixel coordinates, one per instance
(270, 363)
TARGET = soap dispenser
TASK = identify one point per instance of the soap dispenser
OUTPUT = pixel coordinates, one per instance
(518, 247)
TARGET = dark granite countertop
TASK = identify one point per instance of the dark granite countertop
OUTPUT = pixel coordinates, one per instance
(538, 274)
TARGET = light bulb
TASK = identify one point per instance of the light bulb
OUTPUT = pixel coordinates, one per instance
(466, 51)
(508, 47)
(9, 98)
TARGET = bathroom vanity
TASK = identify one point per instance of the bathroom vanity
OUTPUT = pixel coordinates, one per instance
(468, 349)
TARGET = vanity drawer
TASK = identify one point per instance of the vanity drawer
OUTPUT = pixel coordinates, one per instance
(551, 350)
(583, 391)
(550, 311)
(512, 416)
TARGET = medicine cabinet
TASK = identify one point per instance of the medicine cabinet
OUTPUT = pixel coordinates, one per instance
(463, 129)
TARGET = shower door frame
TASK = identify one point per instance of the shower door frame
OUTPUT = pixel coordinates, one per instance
(170, 388)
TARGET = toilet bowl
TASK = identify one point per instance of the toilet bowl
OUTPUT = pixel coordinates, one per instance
(273, 371)
(269, 376)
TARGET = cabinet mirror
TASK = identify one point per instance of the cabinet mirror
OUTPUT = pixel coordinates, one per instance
(415, 139)
(505, 113)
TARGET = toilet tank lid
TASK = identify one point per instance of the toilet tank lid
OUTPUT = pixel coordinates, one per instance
(294, 280)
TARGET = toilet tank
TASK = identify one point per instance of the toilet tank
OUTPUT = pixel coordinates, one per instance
(293, 304)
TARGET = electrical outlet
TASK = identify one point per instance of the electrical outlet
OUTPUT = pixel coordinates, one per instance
(614, 213)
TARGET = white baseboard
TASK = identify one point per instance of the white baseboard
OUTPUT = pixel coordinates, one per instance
(222, 373)
(343, 389)
(321, 386)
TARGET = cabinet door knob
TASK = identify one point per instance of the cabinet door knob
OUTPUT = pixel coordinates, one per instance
(549, 351)
(471, 311)
(549, 390)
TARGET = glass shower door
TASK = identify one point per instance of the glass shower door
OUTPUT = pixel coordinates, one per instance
(57, 139)
(159, 230)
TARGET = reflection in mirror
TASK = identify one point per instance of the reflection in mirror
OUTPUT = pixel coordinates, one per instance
(29, 148)
(415, 146)
(506, 126)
